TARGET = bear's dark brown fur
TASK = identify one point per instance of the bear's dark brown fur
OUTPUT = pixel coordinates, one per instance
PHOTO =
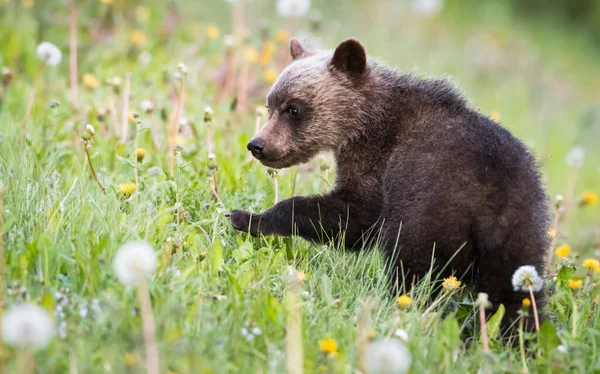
(413, 158)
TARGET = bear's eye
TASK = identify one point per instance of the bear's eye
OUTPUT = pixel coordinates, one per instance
(293, 112)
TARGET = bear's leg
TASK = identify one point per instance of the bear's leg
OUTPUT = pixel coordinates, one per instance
(317, 218)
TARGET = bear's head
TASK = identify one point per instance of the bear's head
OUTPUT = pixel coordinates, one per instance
(317, 103)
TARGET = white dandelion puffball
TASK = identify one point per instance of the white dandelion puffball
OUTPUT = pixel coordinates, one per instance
(49, 54)
(133, 261)
(575, 157)
(428, 7)
(525, 277)
(147, 105)
(293, 8)
(27, 325)
(387, 357)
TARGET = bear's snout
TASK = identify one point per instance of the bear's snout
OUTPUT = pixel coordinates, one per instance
(256, 146)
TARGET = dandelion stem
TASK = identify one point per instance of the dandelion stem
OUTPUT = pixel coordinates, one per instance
(125, 110)
(152, 366)
(25, 363)
(484, 336)
(293, 337)
(435, 303)
(522, 346)
(73, 56)
(362, 339)
(535, 313)
(553, 240)
(89, 158)
(174, 128)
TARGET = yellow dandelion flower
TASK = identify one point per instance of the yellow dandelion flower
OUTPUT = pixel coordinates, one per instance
(106, 2)
(591, 263)
(371, 334)
(131, 359)
(266, 55)
(90, 81)
(126, 188)
(282, 35)
(495, 116)
(451, 284)
(575, 284)
(251, 54)
(142, 13)
(404, 301)
(526, 303)
(589, 198)
(598, 269)
(563, 251)
(27, 3)
(270, 76)
(551, 233)
(328, 346)
(130, 116)
(138, 37)
(140, 153)
(213, 32)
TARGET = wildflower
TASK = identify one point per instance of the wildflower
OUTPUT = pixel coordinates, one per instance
(451, 284)
(134, 260)
(328, 346)
(270, 76)
(182, 69)
(483, 300)
(575, 284)
(213, 32)
(591, 263)
(387, 356)
(575, 157)
(428, 7)
(404, 301)
(90, 81)
(140, 153)
(562, 349)
(295, 277)
(526, 277)
(401, 334)
(229, 40)
(147, 106)
(282, 35)
(526, 303)
(49, 54)
(266, 54)
(138, 37)
(589, 198)
(551, 233)
(126, 188)
(27, 325)
(208, 114)
(89, 132)
(293, 8)
(563, 251)
(251, 54)
(495, 116)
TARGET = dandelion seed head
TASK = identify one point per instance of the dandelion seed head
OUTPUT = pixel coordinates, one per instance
(147, 106)
(27, 325)
(49, 54)
(387, 356)
(483, 300)
(133, 261)
(526, 276)
(575, 157)
(293, 8)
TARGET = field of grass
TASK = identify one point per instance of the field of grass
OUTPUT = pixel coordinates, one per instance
(222, 301)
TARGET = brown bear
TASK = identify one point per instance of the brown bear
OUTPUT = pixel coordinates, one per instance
(415, 163)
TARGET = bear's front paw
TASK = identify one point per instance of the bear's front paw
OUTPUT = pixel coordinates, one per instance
(243, 221)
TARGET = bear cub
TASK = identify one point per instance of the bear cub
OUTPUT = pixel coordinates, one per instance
(416, 168)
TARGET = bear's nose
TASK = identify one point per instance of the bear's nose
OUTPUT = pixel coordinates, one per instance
(256, 146)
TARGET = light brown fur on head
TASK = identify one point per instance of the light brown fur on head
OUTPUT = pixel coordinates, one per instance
(324, 88)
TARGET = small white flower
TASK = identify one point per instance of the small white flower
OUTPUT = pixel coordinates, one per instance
(147, 106)
(183, 70)
(27, 325)
(229, 40)
(212, 156)
(428, 7)
(293, 8)
(525, 277)
(562, 348)
(49, 54)
(387, 356)
(401, 334)
(575, 157)
(133, 261)
(483, 299)
(208, 110)
(256, 331)
(89, 128)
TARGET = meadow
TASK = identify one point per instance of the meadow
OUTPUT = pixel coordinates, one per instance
(140, 137)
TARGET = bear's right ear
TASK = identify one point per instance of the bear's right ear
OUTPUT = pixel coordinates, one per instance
(297, 50)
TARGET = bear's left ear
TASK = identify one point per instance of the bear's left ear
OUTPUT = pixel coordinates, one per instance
(350, 57)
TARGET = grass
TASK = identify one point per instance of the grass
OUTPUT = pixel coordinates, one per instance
(221, 300)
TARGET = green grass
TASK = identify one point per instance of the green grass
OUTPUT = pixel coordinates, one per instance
(61, 232)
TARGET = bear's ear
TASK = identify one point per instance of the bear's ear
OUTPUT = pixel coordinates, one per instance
(297, 50)
(350, 57)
